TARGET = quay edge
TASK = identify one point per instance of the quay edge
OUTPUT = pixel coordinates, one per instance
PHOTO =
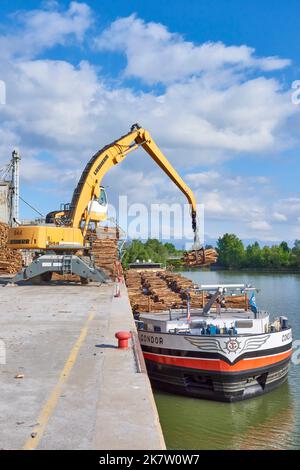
(99, 403)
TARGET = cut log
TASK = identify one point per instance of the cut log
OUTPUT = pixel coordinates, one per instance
(163, 290)
(202, 257)
(10, 260)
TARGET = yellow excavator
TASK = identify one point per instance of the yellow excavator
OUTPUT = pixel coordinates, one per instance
(64, 232)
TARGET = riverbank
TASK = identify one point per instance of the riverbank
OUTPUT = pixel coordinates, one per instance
(246, 270)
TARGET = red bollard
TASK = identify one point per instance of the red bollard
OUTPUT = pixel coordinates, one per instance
(123, 337)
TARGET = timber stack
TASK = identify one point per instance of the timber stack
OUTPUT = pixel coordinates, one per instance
(104, 243)
(162, 290)
(177, 282)
(104, 250)
(10, 260)
(138, 299)
(201, 257)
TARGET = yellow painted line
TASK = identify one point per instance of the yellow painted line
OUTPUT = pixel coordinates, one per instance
(50, 405)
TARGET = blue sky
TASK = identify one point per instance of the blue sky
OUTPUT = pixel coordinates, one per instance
(210, 80)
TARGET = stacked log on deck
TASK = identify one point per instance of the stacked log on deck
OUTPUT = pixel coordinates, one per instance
(104, 249)
(150, 293)
(104, 244)
(202, 257)
(10, 260)
(160, 291)
(105, 254)
(163, 290)
(236, 301)
(176, 282)
(138, 299)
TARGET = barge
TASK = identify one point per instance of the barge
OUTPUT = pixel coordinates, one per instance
(217, 353)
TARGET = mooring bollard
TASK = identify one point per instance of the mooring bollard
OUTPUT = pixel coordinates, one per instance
(123, 337)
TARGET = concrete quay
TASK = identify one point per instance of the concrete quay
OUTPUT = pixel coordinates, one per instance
(63, 382)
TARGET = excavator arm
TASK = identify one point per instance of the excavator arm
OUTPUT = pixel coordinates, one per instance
(88, 188)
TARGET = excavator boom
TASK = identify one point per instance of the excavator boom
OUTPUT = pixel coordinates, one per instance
(70, 226)
(111, 155)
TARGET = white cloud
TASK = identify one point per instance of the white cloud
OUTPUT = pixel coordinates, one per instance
(59, 113)
(278, 217)
(43, 29)
(156, 55)
(54, 105)
(288, 208)
(263, 180)
(217, 179)
(259, 225)
(237, 201)
(57, 107)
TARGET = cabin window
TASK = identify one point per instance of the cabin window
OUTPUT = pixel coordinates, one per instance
(244, 324)
(102, 198)
(157, 329)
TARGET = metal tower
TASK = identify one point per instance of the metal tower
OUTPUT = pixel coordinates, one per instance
(15, 188)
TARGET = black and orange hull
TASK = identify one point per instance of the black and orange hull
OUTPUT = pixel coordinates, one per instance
(212, 375)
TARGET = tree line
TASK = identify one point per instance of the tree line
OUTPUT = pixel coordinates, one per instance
(232, 254)
(152, 249)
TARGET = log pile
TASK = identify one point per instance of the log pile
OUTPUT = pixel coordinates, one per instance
(177, 282)
(140, 299)
(10, 260)
(202, 257)
(133, 281)
(104, 251)
(236, 301)
(162, 290)
(148, 292)
(197, 299)
(105, 254)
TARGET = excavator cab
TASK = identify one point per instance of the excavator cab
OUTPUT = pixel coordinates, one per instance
(98, 207)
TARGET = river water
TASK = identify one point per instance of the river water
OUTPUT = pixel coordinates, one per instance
(271, 421)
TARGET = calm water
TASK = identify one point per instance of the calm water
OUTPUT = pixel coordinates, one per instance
(268, 422)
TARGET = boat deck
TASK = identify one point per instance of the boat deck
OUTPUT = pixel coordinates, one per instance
(197, 314)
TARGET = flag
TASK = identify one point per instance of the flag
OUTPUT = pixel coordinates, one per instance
(252, 303)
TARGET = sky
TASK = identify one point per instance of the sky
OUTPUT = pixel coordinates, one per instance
(211, 81)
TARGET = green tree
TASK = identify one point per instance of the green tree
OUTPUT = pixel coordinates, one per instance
(253, 256)
(295, 255)
(170, 248)
(151, 249)
(231, 251)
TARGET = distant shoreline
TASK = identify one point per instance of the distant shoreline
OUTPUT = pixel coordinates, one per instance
(255, 270)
